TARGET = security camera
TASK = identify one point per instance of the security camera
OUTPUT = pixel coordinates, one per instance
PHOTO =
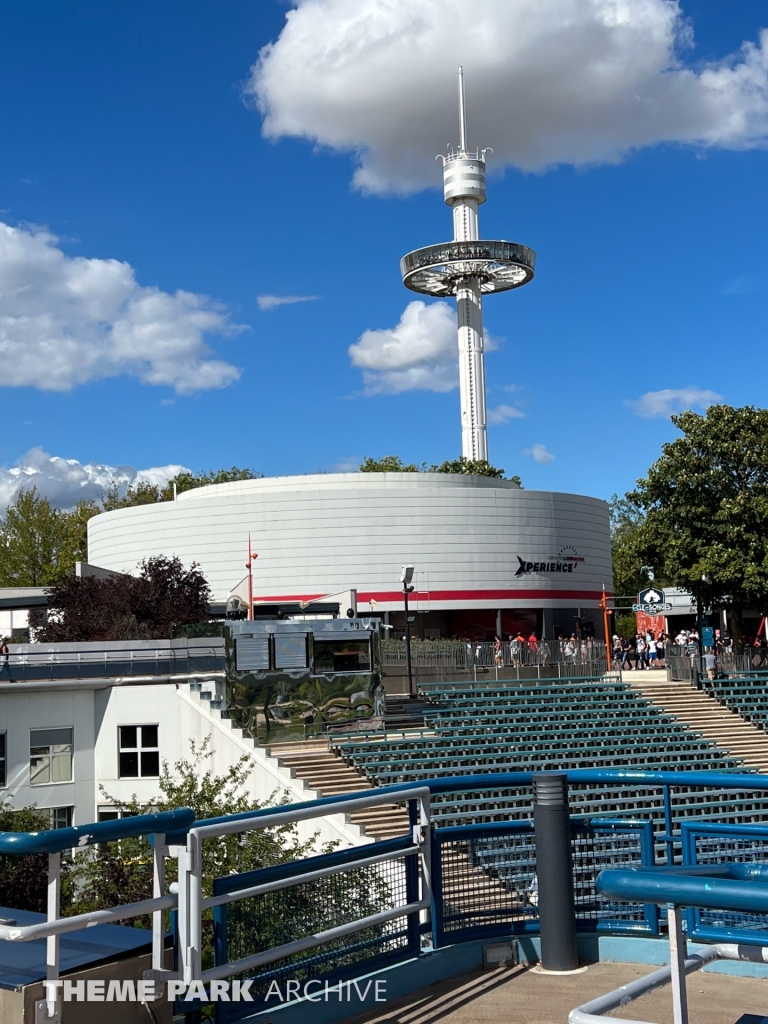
(236, 608)
(406, 575)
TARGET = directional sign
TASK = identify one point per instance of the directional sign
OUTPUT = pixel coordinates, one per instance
(652, 601)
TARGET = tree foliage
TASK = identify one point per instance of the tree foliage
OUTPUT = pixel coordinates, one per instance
(121, 872)
(121, 607)
(704, 505)
(24, 880)
(630, 574)
(462, 465)
(39, 543)
(145, 493)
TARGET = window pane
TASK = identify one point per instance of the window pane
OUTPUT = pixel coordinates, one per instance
(149, 735)
(109, 815)
(150, 763)
(47, 737)
(342, 656)
(61, 817)
(252, 653)
(39, 771)
(128, 736)
(2, 744)
(291, 650)
(129, 765)
(61, 768)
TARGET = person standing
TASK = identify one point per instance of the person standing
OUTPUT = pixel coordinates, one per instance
(5, 653)
(710, 664)
(653, 651)
(626, 654)
(498, 653)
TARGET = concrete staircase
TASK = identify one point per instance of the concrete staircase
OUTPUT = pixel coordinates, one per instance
(705, 715)
(323, 771)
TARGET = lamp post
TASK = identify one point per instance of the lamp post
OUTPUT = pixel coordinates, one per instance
(405, 578)
(249, 566)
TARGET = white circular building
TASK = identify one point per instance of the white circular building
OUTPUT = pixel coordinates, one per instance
(487, 553)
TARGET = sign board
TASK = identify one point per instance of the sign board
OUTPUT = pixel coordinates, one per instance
(652, 601)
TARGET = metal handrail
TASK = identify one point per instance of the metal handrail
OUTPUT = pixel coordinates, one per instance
(76, 836)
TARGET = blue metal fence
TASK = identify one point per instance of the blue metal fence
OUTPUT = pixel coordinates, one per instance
(336, 915)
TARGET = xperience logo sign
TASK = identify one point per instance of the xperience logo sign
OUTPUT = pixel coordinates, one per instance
(566, 561)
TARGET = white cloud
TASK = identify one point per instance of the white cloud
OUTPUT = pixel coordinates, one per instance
(65, 321)
(504, 413)
(539, 453)
(556, 81)
(66, 481)
(420, 353)
(660, 404)
(266, 302)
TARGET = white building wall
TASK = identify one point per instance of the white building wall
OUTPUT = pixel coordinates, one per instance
(321, 534)
(94, 714)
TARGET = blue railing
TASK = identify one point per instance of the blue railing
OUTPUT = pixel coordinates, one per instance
(344, 912)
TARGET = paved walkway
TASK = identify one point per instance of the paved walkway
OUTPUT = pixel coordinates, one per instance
(517, 995)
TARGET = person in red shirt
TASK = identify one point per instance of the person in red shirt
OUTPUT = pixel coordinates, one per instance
(533, 643)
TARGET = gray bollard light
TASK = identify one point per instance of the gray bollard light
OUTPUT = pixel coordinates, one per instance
(554, 872)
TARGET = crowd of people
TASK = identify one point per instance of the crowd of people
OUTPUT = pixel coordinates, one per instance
(642, 651)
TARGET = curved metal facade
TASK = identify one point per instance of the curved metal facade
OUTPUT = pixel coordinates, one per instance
(476, 542)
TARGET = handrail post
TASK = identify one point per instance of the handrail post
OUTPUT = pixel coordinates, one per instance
(158, 889)
(554, 872)
(195, 908)
(677, 955)
(49, 1008)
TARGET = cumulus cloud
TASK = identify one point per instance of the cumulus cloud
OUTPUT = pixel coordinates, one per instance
(539, 453)
(420, 353)
(66, 481)
(66, 321)
(557, 81)
(660, 404)
(266, 302)
(504, 413)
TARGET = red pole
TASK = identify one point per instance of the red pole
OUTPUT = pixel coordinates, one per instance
(249, 567)
(608, 645)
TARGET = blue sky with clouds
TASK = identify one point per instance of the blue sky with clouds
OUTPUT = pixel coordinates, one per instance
(165, 181)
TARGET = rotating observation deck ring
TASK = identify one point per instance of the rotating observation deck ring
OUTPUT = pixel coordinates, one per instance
(440, 269)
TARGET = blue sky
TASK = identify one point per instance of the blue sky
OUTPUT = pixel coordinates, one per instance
(128, 133)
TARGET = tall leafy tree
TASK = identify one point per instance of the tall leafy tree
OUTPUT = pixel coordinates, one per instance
(705, 507)
(630, 574)
(35, 542)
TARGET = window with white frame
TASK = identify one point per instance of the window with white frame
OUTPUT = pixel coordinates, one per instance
(50, 756)
(138, 752)
(61, 817)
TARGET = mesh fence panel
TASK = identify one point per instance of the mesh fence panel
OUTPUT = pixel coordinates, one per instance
(716, 850)
(264, 922)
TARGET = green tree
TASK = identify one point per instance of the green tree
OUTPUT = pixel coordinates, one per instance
(630, 574)
(121, 872)
(188, 481)
(145, 493)
(24, 879)
(142, 494)
(470, 467)
(388, 464)
(705, 508)
(35, 548)
(462, 465)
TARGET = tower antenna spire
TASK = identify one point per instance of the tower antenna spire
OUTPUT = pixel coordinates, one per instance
(462, 113)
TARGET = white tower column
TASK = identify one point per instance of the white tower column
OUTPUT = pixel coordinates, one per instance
(469, 308)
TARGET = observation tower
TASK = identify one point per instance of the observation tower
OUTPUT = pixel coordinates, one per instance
(468, 268)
